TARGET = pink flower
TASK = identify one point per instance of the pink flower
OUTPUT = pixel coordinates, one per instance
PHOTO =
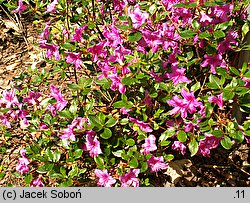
(119, 5)
(116, 83)
(32, 98)
(78, 122)
(156, 163)
(142, 125)
(214, 62)
(218, 100)
(9, 98)
(45, 34)
(177, 145)
(221, 13)
(21, 7)
(92, 144)
(61, 102)
(179, 106)
(68, 133)
(130, 179)
(188, 104)
(208, 143)
(5, 120)
(226, 44)
(205, 19)
(104, 178)
(137, 17)
(23, 162)
(119, 54)
(124, 111)
(112, 35)
(177, 75)
(51, 8)
(74, 58)
(77, 36)
(36, 183)
(51, 50)
(149, 144)
(98, 51)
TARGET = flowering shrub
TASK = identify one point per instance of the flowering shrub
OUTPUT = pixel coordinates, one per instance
(150, 78)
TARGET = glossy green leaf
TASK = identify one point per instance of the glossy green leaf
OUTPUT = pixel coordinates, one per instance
(226, 142)
(193, 147)
(106, 134)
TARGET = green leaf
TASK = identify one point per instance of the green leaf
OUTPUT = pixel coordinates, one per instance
(182, 136)
(73, 172)
(94, 120)
(28, 178)
(123, 27)
(118, 153)
(63, 171)
(111, 122)
(217, 133)
(245, 29)
(66, 183)
(167, 134)
(134, 37)
(187, 34)
(226, 142)
(56, 175)
(73, 108)
(124, 121)
(128, 81)
(165, 143)
(204, 35)
(77, 153)
(120, 104)
(234, 71)
(133, 163)
(144, 167)
(169, 157)
(193, 147)
(228, 94)
(219, 34)
(196, 87)
(65, 114)
(100, 162)
(247, 74)
(214, 82)
(56, 155)
(107, 133)
(45, 168)
(130, 142)
(68, 46)
(73, 86)
(238, 136)
(152, 9)
(85, 82)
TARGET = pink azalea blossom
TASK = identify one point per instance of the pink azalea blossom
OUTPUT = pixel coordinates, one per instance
(98, 51)
(214, 62)
(116, 83)
(61, 102)
(119, 5)
(5, 120)
(178, 75)
(112, 35)
(137, 17)
(23, 162)
(142, 125)
(68, 133)
(188, 104)
(78, 122)
(21, 7)
(77, 36)
(208, 143)
(51, 8)
(119, 54)
(37, 183)
(156, 163)
(92, 144)
(221, 13)
(9, 99)
(74, 58)
(130, 179)
(51, 50)
(179, 146)
(149, 144)
(124, 111)
(104, 178)
(32, 98)
(226, 44)
(45, 34)
(147, 99)
(205, 19)
(218, 100)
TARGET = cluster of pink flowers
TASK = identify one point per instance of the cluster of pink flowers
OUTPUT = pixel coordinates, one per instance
(23, 163)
